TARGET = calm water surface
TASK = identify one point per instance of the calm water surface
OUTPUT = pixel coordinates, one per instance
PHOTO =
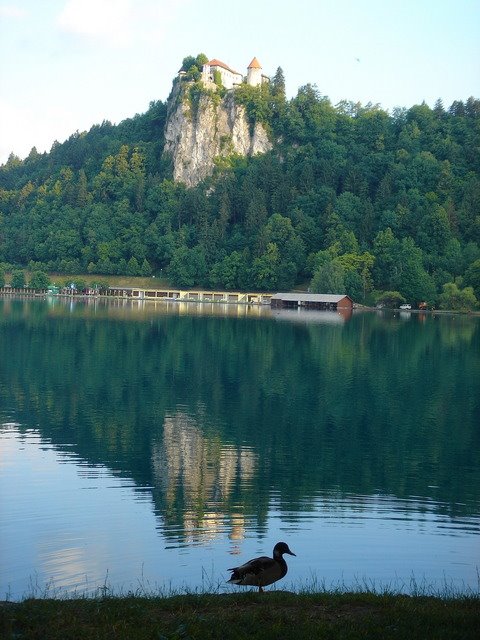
(151, 447)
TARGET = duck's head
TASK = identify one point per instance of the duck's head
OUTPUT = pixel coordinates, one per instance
(280, 548)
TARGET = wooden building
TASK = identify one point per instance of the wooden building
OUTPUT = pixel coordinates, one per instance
(318, 301)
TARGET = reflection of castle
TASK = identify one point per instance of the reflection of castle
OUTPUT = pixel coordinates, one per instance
(200, 474)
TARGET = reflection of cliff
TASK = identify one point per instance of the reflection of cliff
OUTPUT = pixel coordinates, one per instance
(197, 477)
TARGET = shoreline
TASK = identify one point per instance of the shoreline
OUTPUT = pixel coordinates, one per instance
(88, 296)
(252, 615)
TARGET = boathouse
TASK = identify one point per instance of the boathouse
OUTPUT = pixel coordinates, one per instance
(318, 301)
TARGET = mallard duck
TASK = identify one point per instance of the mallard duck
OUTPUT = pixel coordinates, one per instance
(262, 571)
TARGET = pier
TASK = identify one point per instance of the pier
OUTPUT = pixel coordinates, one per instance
(193, 295)
(139, 293)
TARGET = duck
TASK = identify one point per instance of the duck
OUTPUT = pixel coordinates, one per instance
(262, 571)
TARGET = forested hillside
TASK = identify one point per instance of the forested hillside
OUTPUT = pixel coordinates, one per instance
(351, 198)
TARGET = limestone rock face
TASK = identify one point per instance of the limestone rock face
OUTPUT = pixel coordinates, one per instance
(216, 128)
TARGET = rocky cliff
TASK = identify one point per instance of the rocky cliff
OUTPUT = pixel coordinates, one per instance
(198, 132)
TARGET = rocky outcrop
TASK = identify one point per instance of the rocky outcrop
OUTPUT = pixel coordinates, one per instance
(196, 135)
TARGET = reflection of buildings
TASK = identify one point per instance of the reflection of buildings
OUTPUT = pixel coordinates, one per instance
(311, 301)
(141, 309)
(317, 317)
(197, 478)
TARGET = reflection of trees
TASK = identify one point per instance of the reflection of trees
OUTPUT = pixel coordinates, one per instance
(375, 405)
(196, 476)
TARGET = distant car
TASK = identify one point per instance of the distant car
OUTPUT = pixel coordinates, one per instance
(405, 307)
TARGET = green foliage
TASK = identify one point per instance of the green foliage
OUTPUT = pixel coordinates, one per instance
(145, 269)
(133, 268)
(472, 277)
(39, 280)
(217, 78)
(192, 66)
(457, 299)
(101, 285)
(328, 278)
(257, 103)
(201, 59)
(194, 94)
(389, 299)
(231, 273)
(267, 269)
(18, 280)
(2, 277)
(187, 266)
(358, 273)
(348, 273)
(77, 284)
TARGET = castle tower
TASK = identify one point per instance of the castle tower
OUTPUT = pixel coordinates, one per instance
(254, 73)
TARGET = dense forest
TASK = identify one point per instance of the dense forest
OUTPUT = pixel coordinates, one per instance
(382, 206)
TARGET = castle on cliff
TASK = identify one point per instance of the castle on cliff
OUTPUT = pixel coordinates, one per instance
(231, 78)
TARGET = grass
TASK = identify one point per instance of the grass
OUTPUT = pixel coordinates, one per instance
(269, 616)
(113, 281)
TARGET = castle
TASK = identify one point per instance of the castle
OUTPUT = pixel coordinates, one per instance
(231, 78)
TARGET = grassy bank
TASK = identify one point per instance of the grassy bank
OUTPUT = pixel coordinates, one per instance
(251, 615)
(113, 281)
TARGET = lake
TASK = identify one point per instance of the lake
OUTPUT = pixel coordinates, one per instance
(150, 446)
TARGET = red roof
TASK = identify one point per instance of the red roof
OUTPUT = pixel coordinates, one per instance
(254, 64)
(219, 63)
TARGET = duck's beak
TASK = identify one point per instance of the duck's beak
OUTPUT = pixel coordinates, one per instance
(291, 553)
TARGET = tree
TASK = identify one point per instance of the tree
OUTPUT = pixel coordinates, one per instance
(82, 189)
(385, 248)
(193, 65)
(278, 98)
(133, 268)
(187, 62)
(266, 269)
(456, 299)
(390, 299)
(201, 59)
(100, 285)
(18, 279)
(255, 216)
(2, 277)
(145, 269)
(328, 278)
(412, 280)
(279, 230)
(187, 266)
(230, 273)
(39, 280)
(278, 84)
(358, 268)
(472, 277)
(79, 284)
(354, 285)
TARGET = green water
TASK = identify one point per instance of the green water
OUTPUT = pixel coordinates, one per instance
(212, 431)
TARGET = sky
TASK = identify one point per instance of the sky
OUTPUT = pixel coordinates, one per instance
(66, 65)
